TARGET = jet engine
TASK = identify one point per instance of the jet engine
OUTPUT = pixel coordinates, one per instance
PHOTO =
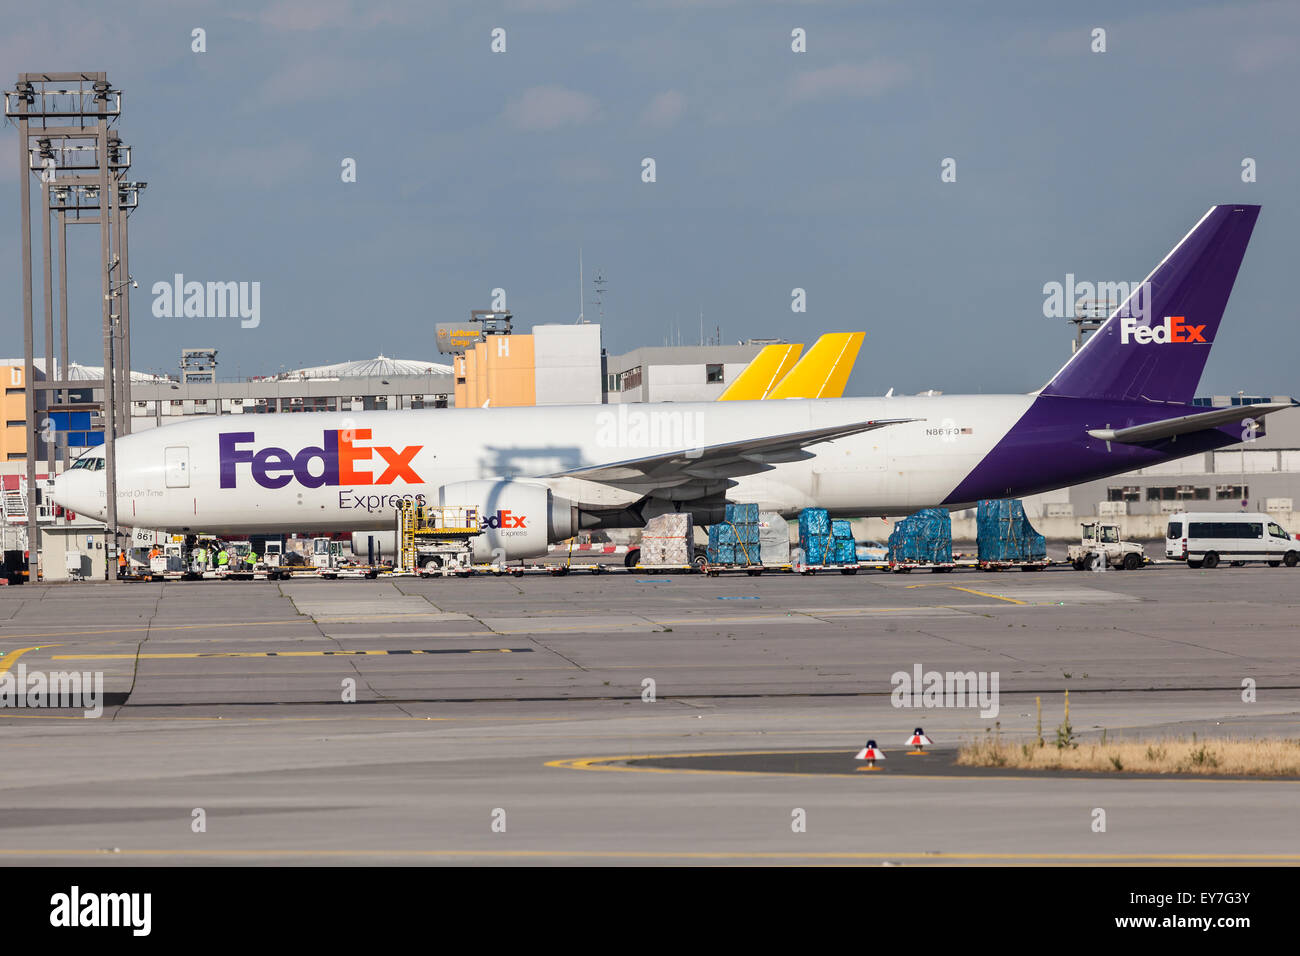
(519, 518)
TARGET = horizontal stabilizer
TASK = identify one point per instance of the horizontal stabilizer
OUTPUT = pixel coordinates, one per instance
(1169, 427)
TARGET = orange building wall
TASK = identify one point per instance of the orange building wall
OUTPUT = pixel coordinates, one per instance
(509, 370)
(500, 370)
(13, 405)
(458, 376)
(471, 381)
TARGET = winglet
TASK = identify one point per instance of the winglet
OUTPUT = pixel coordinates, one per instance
(824, 371)
(762, 374)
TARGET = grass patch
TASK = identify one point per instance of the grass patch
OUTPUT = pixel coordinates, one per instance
(1227, 757)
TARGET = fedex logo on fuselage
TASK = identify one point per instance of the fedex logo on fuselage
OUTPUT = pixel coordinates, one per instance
(337, 460)
(1174, 328)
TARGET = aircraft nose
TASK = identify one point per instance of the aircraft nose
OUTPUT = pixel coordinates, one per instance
(81, 491)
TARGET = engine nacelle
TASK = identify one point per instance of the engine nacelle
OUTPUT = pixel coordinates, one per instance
(520, 518)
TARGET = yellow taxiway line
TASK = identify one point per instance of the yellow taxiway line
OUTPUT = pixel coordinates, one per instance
(7, 661)
(954, 587)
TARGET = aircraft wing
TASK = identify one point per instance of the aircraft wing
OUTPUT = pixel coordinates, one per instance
(1170, 427)
(713, 464)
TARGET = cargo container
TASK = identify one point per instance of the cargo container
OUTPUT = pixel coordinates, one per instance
(1005, 538)
(920, 539)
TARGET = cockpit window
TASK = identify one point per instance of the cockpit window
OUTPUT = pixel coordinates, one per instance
(89, 463)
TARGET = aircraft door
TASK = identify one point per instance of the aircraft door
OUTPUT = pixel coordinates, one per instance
(176, 465)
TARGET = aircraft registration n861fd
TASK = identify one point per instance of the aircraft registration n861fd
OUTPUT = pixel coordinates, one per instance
(540, 474)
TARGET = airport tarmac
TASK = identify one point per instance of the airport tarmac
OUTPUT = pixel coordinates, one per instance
(520, 700)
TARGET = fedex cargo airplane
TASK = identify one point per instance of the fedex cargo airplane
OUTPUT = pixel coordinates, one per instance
(542, 474)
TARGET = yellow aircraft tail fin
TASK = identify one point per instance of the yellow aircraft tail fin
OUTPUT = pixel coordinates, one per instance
(824, 371)
(762, 374)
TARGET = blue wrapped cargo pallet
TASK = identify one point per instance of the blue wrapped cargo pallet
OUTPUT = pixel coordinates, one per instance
(1004, 534)
(922, 538)
(736, 540)
(742, 514)
(826, 542)
(843, 548)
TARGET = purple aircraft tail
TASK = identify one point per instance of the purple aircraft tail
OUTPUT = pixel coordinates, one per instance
(1154, 347)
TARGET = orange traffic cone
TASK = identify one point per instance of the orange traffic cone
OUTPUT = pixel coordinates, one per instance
(870, 753)
(918, 740)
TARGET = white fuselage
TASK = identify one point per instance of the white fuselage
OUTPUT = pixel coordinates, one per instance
(171, 477)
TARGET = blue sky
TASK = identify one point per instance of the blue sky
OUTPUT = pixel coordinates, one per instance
(775, 170)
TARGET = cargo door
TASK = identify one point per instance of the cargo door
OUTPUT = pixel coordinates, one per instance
(176, 465)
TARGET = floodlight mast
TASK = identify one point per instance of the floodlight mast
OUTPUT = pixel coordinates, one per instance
(66, 136)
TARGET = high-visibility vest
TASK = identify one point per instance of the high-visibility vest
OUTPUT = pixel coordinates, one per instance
(222, 557)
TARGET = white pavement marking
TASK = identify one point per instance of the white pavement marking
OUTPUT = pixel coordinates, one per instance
(385, 603)
(603, 622)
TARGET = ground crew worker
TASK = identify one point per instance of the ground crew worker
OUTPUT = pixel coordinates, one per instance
(223, 560)
(252, 559)
(201, 557)
(121, 564)
(155, 552)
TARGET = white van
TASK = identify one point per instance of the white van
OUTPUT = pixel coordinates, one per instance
(1205, 539)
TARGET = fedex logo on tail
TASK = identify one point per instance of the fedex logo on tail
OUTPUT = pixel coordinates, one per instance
(340, 459)
(1174, 328)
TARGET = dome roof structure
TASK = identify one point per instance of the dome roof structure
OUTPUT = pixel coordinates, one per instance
(379, 367)
(91, 373)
